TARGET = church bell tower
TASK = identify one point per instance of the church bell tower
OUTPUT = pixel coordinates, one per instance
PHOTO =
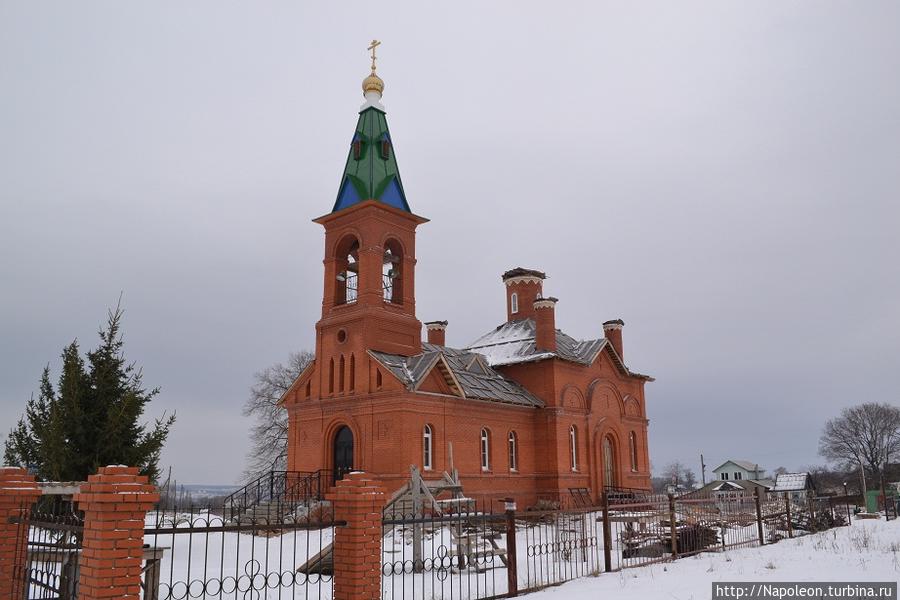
(368, 300)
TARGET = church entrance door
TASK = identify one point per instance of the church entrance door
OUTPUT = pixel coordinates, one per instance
(343, 453)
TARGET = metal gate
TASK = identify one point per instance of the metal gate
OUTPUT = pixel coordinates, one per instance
(51, 553)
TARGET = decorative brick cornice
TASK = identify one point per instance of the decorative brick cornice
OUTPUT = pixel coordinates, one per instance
(545, 302)
(522, 279)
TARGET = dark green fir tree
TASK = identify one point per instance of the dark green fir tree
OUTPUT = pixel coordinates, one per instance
(92, 418)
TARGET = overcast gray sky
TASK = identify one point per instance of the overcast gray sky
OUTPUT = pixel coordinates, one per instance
(721, 175)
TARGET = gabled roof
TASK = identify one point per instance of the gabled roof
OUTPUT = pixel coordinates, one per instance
(724, 486)
(792, 482)
(371, 173)
(744, 464)
(720, 485)
(308, 368)
(513, 343)
(472, 376)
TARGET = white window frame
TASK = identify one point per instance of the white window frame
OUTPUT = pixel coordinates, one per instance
(738, 475)
(485, 450)
(573, 447)
(724, 475)
(513, 449)
(427, 448)
(514, 303)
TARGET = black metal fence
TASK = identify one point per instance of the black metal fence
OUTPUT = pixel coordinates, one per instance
(444, 556)
(52, 551)
(454, 550)
(477, 553)
(267, 551)
(558, 545)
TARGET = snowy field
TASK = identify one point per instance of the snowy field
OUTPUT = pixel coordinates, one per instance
(868, 550)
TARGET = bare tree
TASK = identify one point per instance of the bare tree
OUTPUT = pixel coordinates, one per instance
(680, 475)
(269, 434)
(867, 434)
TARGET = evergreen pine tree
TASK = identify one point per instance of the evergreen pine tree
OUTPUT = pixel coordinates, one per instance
(93, 417)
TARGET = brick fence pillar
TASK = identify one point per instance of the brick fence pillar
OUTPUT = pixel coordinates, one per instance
(115, 502)
(18, 491)
(359, 501)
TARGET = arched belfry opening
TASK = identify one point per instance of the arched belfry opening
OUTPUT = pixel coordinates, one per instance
(392, 272)
(346, 289)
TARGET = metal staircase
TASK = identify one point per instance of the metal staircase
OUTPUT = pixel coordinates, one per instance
(276, 495)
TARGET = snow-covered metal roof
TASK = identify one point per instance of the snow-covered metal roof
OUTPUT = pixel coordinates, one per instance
(473, 374)
(791, 482)
(513, 342)
(768, 483)
(726, 486)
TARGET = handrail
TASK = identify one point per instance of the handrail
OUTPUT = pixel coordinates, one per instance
(288, 488)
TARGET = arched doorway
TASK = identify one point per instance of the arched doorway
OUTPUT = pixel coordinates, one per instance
(609, 463)
(343, 452)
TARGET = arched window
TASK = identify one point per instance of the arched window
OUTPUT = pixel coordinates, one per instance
(347, 267)
(352, 373)
(392, 272)
(485, 450)
(341, 375)
(308, 388)
(632, 442)
(573, 447)
(331, 376)
(514, 303)
(513, 451)
(609, 462)
(427, 448)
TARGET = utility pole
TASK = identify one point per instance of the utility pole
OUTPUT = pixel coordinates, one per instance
(702, 470)
(862, 474)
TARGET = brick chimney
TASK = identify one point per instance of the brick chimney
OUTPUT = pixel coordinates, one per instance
(436, 332)
(613, 332)
(523, 287)
(545, 324)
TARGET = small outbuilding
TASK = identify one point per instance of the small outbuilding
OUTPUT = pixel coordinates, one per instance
(799, 486)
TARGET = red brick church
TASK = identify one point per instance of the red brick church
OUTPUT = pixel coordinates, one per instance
(524, 411)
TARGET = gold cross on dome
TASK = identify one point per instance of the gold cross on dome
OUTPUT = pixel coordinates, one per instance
(372, 46)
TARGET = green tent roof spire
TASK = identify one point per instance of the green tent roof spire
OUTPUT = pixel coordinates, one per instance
(371, 171)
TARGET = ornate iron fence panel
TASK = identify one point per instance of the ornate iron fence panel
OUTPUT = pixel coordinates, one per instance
(55, 531)
(270, 552)
(457, 556)
(557, 546)
(637, 528)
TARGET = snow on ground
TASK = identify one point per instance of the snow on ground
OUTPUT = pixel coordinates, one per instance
(868, 550)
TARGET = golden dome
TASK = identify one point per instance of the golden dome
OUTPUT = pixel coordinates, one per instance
(373, 83)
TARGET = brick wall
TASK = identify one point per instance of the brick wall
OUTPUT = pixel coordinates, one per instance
(358, 500)
(115, 502)
(387, 425)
